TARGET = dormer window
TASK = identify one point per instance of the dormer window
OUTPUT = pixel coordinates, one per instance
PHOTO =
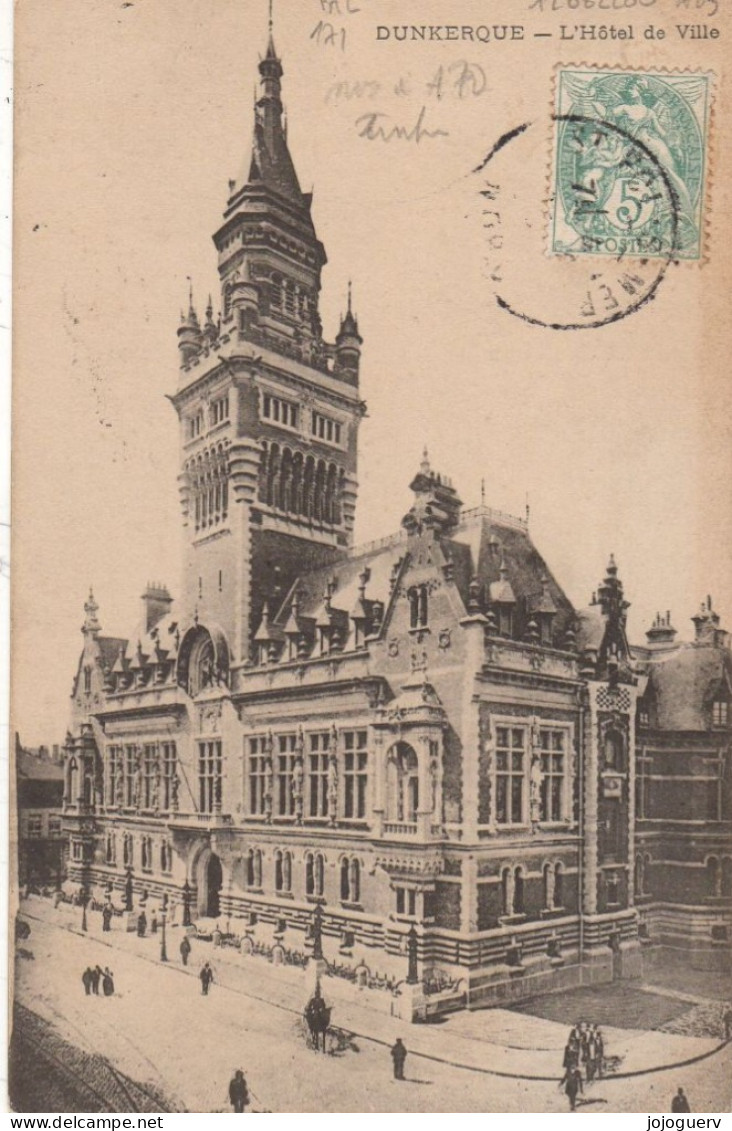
(720, 713)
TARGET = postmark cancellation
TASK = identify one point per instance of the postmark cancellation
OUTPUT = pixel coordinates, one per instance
(629, 167)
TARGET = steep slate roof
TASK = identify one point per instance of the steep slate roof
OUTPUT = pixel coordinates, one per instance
(476, 548)
(32, 768)
(684, 684)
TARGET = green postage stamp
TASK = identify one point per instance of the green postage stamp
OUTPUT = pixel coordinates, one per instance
(630, 163)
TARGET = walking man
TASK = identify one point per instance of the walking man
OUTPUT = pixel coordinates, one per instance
(141, 925)
(398, 1055)
(206, 977)
(86, 978)
(573, 1085)
(185, 950)
(106, 917)
(238, 1092)
(96, 974)
(680, 1103)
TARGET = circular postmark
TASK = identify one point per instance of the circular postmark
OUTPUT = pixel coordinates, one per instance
(617, 200)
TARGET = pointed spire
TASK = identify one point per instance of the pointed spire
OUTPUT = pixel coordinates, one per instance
(91, 626)
(424, 467)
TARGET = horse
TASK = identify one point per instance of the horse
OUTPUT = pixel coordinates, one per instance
(317, 1019)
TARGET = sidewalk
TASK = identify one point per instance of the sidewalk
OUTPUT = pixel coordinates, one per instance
(493, 1041)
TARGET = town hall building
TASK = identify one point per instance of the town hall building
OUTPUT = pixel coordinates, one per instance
(421, 734)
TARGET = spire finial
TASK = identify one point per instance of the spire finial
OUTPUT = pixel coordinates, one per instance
(425, 465)
(349, 296)
(271, 17)
(482, 492)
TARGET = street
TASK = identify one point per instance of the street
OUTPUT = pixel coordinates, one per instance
(154, 1028)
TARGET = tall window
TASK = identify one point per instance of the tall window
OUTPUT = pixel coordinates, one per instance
(418, 606)
(88, 675)
(209, 777)
(553, 886)
(111, 849)
(283, 871)
(146, 854)
(257, 775)
(314, 874)
(552, 745)
(350, 880)
(406, 901)
(614, 751)
(114, 773)
(318, 774)
(512, 891)
(128, 851)
(402, 783)
(720, 713)
(130, 775)
(169, 772)
(510, 769)
(166, 857)
(254, 868)
(355, 774)
(149, 771)
(286, 759)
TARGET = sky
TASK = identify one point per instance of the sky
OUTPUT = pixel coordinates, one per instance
(130, 120)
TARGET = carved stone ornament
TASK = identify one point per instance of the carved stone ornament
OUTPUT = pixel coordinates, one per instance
(393, 647)
(444, 640)
(210, 718)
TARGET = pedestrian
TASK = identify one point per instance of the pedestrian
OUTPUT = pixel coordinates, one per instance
(107, 917)
(727, 1020)
(96, 973)
(398, 1056)
(591, 1062)
(680, 1103)
(107, 982)
(86, 978)
(185, 950)
(153, 922)
(216, 935)
(141, 925)
(206, 977)
(572, 1085)
(58, 896)
(238, 1092)
(571, 1055)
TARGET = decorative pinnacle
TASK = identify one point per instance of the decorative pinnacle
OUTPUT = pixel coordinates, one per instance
(271, 19)
(349, 297)
(425, 464)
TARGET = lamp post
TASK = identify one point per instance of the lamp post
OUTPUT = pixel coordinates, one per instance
(163, 951)
(318, 932)
(186, 904)
(128, 889)
(412, 970)
(84, 901)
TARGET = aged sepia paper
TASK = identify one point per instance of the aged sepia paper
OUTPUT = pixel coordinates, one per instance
(371, 689)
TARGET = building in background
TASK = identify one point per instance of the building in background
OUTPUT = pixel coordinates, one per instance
(42, 844)
(421, 737)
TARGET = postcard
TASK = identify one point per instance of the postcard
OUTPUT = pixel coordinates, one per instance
(371, 688)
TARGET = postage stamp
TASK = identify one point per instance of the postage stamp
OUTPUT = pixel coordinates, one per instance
(629, 166)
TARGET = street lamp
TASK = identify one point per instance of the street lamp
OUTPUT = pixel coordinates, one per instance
(163, 951)
(186, 904)
(128, 889)
(318, 932)
(84, 901)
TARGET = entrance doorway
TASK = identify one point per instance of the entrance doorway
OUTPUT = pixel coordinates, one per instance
(214, 879)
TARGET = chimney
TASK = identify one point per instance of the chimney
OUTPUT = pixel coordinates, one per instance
(156, 602)
(661, 635)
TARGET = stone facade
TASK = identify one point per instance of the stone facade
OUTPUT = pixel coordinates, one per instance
(420, 733)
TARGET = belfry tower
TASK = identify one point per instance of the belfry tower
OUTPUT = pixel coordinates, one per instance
(269, 411)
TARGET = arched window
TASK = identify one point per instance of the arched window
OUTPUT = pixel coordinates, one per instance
(614, 751)
(518, 892)
(639, 878)
(355, 877)
(254, 868)
(73, 780)
(309, 874)
(418, 606)
(402, 783)
(345, 880)
(350, 880)
(549, 882)
(286, 872)
(319, 874)
(278, 871)
(110, 853)
(128, 850)
(506, 891)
